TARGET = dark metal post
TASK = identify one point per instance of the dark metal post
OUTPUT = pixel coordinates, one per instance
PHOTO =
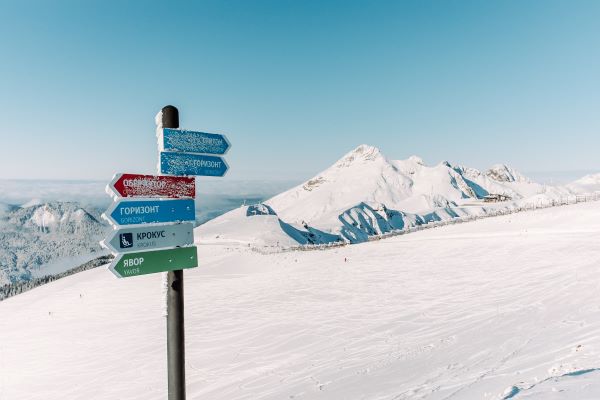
(175, 325)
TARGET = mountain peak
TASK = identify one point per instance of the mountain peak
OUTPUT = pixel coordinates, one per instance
(416, 160)
(364, 152)
(504, 173)
(66, 217)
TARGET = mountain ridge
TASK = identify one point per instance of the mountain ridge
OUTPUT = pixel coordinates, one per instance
(38, 240)
(364, 192)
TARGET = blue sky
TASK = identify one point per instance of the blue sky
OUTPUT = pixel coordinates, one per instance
(296, 84)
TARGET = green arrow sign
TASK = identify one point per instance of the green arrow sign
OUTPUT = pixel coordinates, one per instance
(149, 262)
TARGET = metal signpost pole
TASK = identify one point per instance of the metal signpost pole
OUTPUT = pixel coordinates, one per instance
(175, 326)
(153, 222)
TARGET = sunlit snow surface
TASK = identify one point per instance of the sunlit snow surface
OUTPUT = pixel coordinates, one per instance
(505, 307)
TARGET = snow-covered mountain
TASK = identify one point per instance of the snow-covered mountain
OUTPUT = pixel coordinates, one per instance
(496, 309)
(38, 220)
(365, 193)
(588, 183)
(46, 239)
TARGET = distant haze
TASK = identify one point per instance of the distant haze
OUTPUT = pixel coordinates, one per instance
(558, 177)
(213, 197)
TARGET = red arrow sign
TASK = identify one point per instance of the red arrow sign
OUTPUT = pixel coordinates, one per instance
(134, 185)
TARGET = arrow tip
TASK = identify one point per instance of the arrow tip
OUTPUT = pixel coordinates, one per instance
(112, 266)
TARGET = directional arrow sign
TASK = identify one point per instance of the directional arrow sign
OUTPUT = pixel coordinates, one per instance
(149, 237)
(131, 212)
(135, 185)
(174, 163)
(193, 142)
(149, 262)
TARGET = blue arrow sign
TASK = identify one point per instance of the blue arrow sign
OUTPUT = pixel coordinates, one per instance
(193, 142)
(127, 212)
(174, 163)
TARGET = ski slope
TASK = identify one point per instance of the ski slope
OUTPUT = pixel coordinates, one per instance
(499, 308)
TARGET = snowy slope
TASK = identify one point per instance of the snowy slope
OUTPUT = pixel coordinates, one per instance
(499, 308)
(365, 193)
(362, 175)
(258, 225)
(587, 184)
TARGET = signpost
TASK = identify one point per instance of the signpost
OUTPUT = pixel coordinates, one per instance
(150, 237)
(150, 262)
(176, 163)
(192, 142)
(136, 185)
(152, 203)
(133, 212)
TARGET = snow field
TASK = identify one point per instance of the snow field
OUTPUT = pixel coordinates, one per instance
(499, 308)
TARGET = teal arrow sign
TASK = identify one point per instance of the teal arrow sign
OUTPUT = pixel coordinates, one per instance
(193, 142)
(133, 212)
(174, 163)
